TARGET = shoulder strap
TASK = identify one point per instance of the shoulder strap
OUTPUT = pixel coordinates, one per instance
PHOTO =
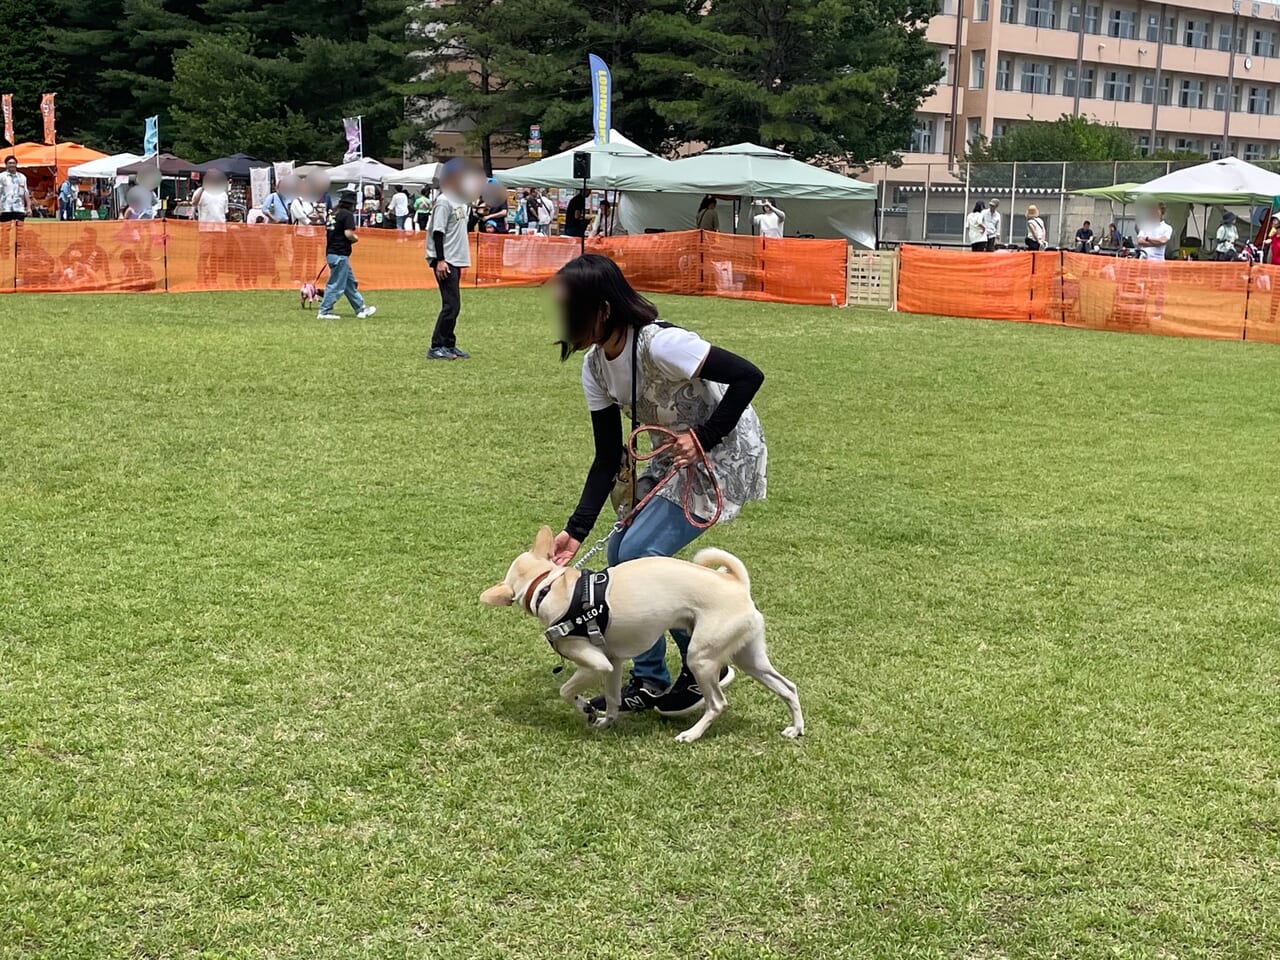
(635, 347)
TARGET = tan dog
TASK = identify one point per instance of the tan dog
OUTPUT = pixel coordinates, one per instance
(711, 598)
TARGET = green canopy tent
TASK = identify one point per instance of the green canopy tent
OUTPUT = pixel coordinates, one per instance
(1117, 193)
(817, 202)
(609, 163)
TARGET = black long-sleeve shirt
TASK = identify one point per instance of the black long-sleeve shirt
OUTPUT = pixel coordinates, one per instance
(743, 379)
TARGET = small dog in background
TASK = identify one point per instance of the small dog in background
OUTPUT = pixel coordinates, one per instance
(711, 598)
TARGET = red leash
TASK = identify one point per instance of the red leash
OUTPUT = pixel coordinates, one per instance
(691, 475)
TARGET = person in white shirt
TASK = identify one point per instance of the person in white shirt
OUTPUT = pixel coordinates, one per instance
(15, 198)
(770, 222)
(1035, 229)
(400, 208)
(211, 203)
(991, 223)
(1154, 237)
(540, 212)
(1228, 238)
(975, 231)
(602, 223)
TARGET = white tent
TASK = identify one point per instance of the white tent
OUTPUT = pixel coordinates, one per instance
(102, 168)
(365, 169)
(610, 162)
(1225, 181)
(423, 173)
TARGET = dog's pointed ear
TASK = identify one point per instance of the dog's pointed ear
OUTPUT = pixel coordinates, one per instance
(544, 543)
(499, 595)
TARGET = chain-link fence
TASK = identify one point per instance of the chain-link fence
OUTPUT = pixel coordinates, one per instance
(928, 203)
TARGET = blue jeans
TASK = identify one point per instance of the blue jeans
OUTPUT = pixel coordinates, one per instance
(341, 281)
(660, 530)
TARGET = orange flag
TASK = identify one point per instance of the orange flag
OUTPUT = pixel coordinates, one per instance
(50, 119)
(8, 117)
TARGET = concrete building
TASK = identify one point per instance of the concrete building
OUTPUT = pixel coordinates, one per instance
(1202, 76)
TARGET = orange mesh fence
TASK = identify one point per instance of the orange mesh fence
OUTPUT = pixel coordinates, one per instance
(1177, 298)
(181, 256)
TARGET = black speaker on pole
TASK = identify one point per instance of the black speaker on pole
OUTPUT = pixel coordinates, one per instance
(581, 165)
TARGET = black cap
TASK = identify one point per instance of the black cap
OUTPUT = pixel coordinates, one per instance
(347, 196)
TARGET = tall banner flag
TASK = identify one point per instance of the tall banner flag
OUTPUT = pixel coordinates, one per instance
(50, 118)
(352, 127)
(151, 140)
(601, 98)
(7, 100)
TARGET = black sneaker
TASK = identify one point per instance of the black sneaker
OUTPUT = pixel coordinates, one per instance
(440, 353)
(460, 354)
(637, 696)
(684, 697)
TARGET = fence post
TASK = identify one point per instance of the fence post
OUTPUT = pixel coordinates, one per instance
(928, 185)
(1013, 198)
(964, 211)
(1062, 202)
(1248, 288)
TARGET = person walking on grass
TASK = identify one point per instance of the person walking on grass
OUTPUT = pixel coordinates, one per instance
(677, 379)
(340, 236)
(448, 254)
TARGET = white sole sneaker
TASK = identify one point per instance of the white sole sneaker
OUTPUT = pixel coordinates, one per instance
(366, 313)
(697, 705)
(328, 316)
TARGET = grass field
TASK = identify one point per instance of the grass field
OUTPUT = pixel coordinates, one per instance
(1025, 578)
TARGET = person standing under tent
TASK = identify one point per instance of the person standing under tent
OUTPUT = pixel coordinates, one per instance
(15, 197)
(975, 230)
(1228, 238)
(771, 221)
(211, 204)
(67, 200)
(991, 223)
(602, 222)
(400, 207)
(448, 254)
(541, 212)
(339, 239)
(422, 209)
(575, 215)
(708, 216)
(1154, 237)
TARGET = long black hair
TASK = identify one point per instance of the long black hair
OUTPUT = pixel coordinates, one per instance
(593, 284)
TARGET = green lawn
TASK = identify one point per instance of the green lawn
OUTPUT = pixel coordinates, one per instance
(1025, 578)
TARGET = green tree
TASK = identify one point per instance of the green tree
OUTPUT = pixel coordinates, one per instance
(28, 66)
(822, 79)
(1070, 139)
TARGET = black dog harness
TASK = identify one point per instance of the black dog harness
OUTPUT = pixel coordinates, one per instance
(588, 613)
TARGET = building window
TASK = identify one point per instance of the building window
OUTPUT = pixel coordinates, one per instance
(1123, 24)
(1224, 37)
(1148, 89)
(973, 130)
(1042, 13)
(1191, 94)
(1166, 91)
(1242, 38)
(1004, 73)
(1160, 143)
(1117, 86)
(1236, 100)
(1086, 83)
(977, 69)
(1073, 18)
(1186, 145)
(1259, 100)
(998, 130)
(1153, 29)
(946, 60)
(1068, 81)
(1008, 11)
(1170, 29)
(1144, 145)
(1264, 43)
(922, 136)
(1215, 149)
(1219, 97)
(1196, 34)
(1253, 151)
(1093, 19)
(1037, 78)
(983, 11)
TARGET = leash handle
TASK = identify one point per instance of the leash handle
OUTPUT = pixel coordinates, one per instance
(691, 475)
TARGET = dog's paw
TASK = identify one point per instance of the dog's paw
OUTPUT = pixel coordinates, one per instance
(687, 736)
(602, 721)
(793, 732)
(583, 706)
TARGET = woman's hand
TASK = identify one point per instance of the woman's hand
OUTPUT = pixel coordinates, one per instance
(563, 548)
(684, 449)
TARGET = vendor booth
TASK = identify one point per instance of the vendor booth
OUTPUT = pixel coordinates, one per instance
(817, 202)
(611, 163)
(103, 168)
(46, 167)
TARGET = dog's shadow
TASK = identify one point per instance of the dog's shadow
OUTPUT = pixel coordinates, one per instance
(535, 704)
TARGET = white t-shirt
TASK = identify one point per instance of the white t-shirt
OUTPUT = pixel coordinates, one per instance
(400, 204)
(544, 209)
(212, 207)
(976, 233)
(679, 354)
(769, 224)
(1160, 231)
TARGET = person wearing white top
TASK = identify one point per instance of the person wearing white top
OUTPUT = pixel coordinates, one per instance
(211, 202)
(1035, 229)
(1228, 237)
(991, 221)
(400, 208)
(975, 230)
(602, 223)
(1154, 237)
(770, 222)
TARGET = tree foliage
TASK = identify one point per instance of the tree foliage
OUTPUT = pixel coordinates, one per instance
(1069, 139)
(29, 67)
(819, 78)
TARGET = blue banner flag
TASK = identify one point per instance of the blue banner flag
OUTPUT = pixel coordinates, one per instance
(601, 98)
(151, 142)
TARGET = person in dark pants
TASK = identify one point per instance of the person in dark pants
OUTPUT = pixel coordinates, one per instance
(449, 253)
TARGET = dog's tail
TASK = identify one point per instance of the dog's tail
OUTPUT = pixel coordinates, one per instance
(725, 562)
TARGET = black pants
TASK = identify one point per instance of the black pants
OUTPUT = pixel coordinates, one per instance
(450, 304)
(12, 217)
